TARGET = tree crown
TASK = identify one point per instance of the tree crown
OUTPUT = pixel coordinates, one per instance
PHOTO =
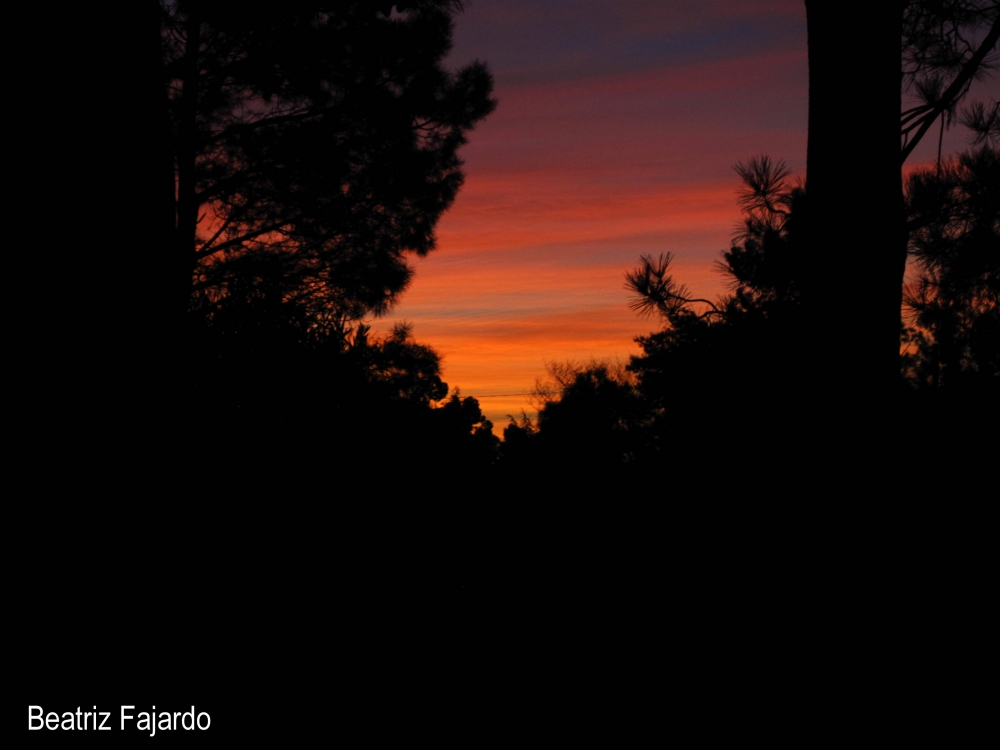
(314, 144)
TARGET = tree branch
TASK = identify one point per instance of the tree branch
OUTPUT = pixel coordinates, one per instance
(710, 304)
(206, 251)
(953, 91)
(243, 126)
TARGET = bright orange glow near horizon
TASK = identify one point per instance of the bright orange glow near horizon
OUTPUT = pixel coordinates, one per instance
(615, 136)
(499, 298)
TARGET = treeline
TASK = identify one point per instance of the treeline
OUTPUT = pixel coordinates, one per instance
(722, 379)
(719, 375)
(299, 156)
(294, 159)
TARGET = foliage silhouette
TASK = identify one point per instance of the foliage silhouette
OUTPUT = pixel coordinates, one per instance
(311, 142)
(762, 265)
(398, 366)
(713, 360)
(945, 46)
(304, 151)
(953, 304)
(282, 392)
(472, 442)
(517, 439)
(589, 415)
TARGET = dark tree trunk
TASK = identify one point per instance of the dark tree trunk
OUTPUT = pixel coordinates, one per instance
(857, 242)
(187, 135)
(154, 294)
(163, 204)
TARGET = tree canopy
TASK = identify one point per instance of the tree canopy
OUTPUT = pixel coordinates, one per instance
(947, 44)
(714, 360)
(859, 136)
(313, 145)
(953, 302)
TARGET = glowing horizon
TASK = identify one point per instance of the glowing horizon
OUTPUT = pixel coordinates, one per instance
(615, 136)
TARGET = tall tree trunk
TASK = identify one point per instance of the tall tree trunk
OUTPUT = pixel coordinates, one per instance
(857, 242)
(160, 263)
(187, 134)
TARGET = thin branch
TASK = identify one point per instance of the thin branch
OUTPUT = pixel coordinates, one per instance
(710, 312)
(242, 126)
(914, 113)
(948, 97)
(234, 179)
(206, 251)
(714, 309)
(225, 224)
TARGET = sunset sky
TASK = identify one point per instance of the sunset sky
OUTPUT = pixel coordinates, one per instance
(616, 132)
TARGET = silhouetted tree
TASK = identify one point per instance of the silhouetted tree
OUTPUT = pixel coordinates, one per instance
(398, 366)
(716, 361)
(473, 442)
(954, 301)
(302, 151)
(865, 101)
(518, 437)
(764, 265)
(590, 415)
(263, 355)
(947, 44)
(312, 141)
(280, 391)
